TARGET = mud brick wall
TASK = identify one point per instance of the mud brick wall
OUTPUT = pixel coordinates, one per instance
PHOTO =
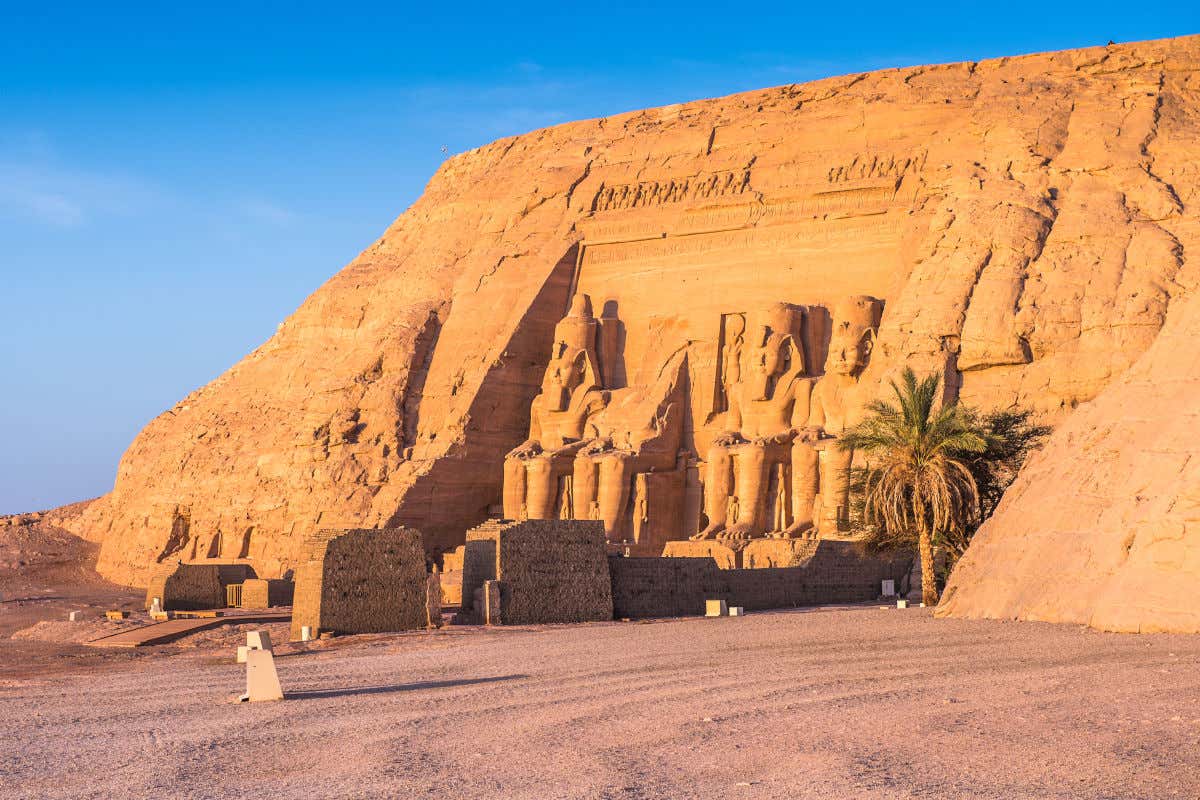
(549, 570)
(193, 587)
(260, 593)
(361, 581)
(664, 587)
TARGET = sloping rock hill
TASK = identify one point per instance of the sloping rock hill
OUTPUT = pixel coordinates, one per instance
(1103, 526)
(1028, 221)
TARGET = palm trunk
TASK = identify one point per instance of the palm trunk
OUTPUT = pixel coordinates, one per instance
(929, 594)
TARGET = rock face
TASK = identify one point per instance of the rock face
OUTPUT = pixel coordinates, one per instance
(1103, 526)
(1025, 222)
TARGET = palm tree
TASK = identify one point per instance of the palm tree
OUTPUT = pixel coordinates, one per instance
(914, 476)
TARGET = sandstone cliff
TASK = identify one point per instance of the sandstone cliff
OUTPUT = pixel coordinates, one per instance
(1101, 526)
(1027, 220)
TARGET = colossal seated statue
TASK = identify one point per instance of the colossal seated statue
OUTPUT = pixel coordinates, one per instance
(838, 401)
(639, 432)
(537, 473)
(747, 489)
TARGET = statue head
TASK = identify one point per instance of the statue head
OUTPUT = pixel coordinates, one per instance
(773, 350)
(855, 325)
(573, 356)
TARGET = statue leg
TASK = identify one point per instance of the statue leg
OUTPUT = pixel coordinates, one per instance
(616, 470)
(751, 486)
(584, 481)
(513, 497)
(805, 482)
(542, 489)
(718, 485)
(835, 490)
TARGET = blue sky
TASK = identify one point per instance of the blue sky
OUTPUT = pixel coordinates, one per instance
(176, 178)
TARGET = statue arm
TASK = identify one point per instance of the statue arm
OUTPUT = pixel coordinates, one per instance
(532, 445)
(662, 434)
(815, 426)
(803, 404)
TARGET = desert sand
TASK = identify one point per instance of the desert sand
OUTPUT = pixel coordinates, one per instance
(858, 702)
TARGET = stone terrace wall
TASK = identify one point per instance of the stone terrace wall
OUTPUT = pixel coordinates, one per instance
(549, 570)
(837, 573)
(361, 581)
(664, 587)
(667, 587)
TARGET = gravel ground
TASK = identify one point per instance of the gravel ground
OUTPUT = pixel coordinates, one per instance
(848, 703)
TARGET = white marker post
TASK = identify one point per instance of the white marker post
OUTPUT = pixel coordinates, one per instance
(255, 640)
(262, 681)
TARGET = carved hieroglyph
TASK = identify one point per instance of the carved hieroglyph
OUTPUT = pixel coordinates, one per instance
(1029, 223)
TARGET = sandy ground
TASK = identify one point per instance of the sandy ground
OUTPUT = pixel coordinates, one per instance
(849, 703)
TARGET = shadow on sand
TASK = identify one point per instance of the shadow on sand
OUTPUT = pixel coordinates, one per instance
(400, 687)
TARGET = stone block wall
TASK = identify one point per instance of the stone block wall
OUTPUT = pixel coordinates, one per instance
(479, 562)
(664, 587)
(548, 570)
(361, 581)
(452, 585)
(837, 572)
(193, 587)
(260, 593)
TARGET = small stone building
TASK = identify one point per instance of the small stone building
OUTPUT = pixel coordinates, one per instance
(367, 580)
(263, 593)
(194, 587)
(547, 570)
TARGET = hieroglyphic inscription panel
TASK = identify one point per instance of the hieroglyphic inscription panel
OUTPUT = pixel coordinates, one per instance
(864, 166)
(706, 186)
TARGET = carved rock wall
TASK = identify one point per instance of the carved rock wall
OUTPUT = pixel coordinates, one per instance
(1027, 222)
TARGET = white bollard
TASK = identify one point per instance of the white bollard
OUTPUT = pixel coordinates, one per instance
(901, 603)
(74, 616)
(737, 611)
(262, 681)
(255, 640)
(259, 640)
(305, 633)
